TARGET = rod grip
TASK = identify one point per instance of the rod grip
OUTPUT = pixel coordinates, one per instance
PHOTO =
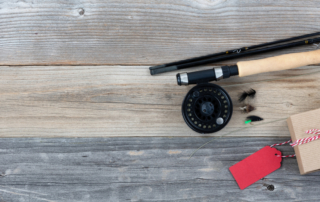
(277, 63)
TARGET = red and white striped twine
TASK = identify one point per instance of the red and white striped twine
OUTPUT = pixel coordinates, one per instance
(307, 139)
(286, 156)
(279, 144)
(300, 141)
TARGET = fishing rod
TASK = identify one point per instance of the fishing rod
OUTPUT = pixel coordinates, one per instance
(232, 54)
(207, 107)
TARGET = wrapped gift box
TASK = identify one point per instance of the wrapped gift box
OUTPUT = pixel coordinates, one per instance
(307, 154)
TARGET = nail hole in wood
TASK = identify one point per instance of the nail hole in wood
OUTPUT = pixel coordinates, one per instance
(270, 187)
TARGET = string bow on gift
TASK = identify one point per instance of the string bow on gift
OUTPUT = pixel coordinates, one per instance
(301, 141)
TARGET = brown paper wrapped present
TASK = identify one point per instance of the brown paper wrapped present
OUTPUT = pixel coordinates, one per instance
(307, 154)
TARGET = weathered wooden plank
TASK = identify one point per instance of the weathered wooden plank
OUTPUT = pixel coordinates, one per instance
(142, 169)
(101, 101)
(143, 32)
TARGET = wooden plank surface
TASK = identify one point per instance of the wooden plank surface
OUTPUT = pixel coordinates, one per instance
(111, 101)
(142, 169)
(101, 101)
(143, 32)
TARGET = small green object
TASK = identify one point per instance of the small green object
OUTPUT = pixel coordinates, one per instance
(248, 121)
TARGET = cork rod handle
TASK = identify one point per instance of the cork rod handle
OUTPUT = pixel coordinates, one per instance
(277, 63)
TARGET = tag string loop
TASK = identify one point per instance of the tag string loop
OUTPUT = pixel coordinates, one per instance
(301, 141)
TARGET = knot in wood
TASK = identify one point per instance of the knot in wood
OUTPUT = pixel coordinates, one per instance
(81, 11)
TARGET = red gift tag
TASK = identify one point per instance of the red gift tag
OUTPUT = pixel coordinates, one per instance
(256, 166)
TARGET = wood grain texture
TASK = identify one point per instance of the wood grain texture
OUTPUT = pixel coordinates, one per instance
(102, 101)
(145, 32)
(142, 169)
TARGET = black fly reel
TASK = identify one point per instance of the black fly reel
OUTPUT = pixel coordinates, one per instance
(207, 108)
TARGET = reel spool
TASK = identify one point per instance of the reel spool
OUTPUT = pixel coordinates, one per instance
(207, 108)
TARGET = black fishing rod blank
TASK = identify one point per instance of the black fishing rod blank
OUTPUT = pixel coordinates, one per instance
(232, 54)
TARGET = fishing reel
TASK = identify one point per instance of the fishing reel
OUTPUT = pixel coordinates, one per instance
(207, 107)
